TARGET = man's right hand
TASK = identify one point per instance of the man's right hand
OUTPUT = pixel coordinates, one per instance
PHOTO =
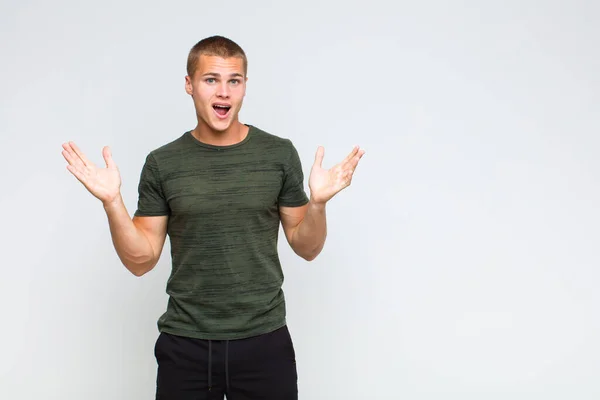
(103, 183)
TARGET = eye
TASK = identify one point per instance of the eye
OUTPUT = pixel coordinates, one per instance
(235, 81)
(210, 80)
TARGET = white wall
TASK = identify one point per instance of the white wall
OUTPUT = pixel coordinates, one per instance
(463, 261)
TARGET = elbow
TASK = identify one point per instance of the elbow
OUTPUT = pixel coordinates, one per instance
(138, 272)
(310, 255)
(309, 258)
(140, 269)
(307, 251)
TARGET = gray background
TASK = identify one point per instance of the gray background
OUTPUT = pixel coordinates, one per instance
(463, 261)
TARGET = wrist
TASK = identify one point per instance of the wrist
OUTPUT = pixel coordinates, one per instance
(316, 204)
(117, 201)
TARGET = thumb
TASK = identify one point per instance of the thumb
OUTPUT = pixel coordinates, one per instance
(319, 156)
(106, 153)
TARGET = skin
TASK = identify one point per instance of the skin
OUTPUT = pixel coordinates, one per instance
(139, 241)
(218, 80)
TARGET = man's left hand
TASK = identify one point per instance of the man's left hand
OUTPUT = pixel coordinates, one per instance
(326, 183)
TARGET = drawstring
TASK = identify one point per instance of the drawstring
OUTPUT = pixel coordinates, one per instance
(209, 365)
(227, 364)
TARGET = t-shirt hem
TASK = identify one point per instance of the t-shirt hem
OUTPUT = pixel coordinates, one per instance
(294, 203)
(150, 214)
(223, 336)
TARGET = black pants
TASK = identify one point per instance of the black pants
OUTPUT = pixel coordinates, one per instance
(261, 367)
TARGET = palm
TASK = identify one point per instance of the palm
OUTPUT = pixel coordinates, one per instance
(103, 183)
(326, 183)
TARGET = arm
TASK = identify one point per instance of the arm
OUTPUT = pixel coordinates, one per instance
(305, 228)
(138, 241)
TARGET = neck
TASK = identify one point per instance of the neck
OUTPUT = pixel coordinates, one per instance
(232, 135)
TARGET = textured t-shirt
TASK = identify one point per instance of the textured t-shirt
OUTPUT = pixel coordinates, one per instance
(222, 204)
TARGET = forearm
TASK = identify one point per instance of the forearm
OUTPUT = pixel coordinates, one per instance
(131, 244)
(309, 237)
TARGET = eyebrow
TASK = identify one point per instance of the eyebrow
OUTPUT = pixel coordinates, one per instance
(235, 74)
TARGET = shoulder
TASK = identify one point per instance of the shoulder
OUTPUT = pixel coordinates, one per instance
(270, 141)
(173, 146)
(169, 151)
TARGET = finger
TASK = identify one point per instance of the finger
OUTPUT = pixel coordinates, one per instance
(77, 173)
(75, 165)
(349, 174)
(352, 154)
(319, 156)
(107, 154)
(71, 156)
(346, 178)
(76, 168)
(80, 154)
(351, 166)
(354, 161)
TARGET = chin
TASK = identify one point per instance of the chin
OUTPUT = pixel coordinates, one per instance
(220, 124)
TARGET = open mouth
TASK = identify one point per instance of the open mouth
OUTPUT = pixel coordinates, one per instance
(222, 110)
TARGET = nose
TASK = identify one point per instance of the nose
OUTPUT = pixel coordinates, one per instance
(223, 90)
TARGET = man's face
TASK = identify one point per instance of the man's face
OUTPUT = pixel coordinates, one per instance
(218, 88)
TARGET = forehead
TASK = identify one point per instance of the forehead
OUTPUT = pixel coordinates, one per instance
(220, 65)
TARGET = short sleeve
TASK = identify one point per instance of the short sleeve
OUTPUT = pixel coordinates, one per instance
(151, 199)
(292, 192)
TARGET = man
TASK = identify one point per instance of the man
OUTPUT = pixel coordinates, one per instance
(220, 192)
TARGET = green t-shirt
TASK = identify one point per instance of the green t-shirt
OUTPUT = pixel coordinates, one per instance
(222, 203)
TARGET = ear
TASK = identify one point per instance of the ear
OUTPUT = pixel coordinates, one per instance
(245, 87)
(188, 85)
